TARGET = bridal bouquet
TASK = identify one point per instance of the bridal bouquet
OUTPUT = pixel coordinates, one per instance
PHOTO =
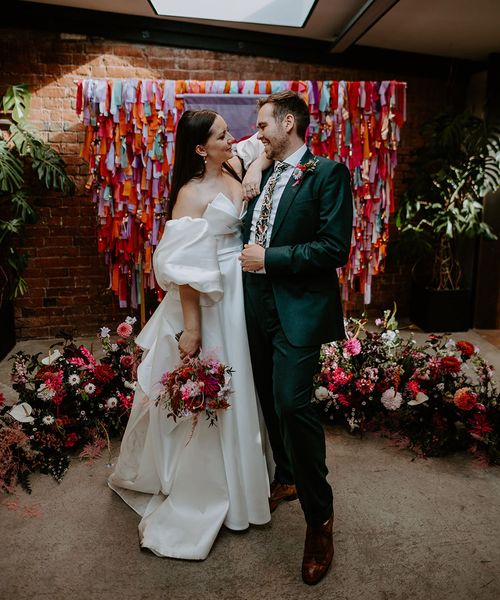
(197, 385)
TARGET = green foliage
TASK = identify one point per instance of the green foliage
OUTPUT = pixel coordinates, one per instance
(452, 172)
(20, 149)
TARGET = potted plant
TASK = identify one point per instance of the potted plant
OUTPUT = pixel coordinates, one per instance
(20, 149)
(442, 207)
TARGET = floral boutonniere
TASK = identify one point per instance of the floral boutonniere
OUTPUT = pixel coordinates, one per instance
(301, 169)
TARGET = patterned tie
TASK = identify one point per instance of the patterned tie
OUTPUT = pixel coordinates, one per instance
(262, 224)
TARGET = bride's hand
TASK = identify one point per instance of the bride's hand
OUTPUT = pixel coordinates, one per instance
(251, 181)
(189, 343)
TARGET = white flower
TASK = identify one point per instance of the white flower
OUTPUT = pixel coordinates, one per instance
(89, 388)
(105, 332)
(321, 393)
(420, 398)
(45, 393)
(391, 399)
(130, 384)
(53, 356)
(114, 347)
(48, 419)
(352, 423)
(73, 379)
(450, 343)
(130, 320)
(389, 336)
(22, 413)
(111, 402)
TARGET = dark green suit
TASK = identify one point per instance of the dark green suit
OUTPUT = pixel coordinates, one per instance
(291, 311)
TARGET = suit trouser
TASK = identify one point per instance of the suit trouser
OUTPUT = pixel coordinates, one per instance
(283, 377)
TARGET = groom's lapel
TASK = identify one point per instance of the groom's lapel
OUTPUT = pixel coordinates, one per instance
(288, 196)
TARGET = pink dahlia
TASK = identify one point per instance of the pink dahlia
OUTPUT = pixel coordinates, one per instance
(127, 361)
(124, 329)
(352, 347)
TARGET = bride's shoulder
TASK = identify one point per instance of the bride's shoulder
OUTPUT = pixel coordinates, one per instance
(188, 203)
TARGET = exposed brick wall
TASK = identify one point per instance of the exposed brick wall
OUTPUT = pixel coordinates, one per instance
(67, 278)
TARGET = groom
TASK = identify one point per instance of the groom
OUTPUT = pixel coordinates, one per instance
(296, 233)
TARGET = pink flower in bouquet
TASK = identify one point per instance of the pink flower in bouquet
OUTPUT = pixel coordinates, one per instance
(53, 379)
(126, 401)
(465, 399)
(450, 364)
(339, 377)
(124, 329)
(391, 399)
(342, 399)
(352, 347)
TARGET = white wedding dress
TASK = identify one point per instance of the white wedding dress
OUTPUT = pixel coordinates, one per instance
(184, 491)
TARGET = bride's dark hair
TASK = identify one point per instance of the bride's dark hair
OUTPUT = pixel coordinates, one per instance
(193, 129)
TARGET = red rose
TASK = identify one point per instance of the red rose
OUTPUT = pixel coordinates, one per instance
(450, 364)
(71, 440)
(465, 399)
(466, 348)
(2, 399)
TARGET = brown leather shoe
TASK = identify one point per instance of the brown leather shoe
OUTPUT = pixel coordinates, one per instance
(318, 552)
(281, 492)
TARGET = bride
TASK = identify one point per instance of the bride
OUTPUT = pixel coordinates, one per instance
(185, 492)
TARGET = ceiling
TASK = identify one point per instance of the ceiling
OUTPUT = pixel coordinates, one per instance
(463, 29)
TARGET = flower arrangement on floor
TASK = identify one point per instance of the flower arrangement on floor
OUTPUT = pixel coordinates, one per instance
(69, 400)
(437, 398)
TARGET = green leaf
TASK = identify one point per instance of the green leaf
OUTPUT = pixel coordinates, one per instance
(22, 207)
(11, 169)
(16, 101)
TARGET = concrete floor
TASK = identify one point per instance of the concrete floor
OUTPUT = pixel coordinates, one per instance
(405, 528)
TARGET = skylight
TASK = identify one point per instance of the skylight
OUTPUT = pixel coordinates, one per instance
(288, 13)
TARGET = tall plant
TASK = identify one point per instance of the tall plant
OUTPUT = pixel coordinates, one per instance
(452, 172)
(20, 149)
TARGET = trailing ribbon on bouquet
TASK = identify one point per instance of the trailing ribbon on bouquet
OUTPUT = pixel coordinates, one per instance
(129, 144)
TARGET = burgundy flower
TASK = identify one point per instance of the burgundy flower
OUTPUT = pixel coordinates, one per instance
(104, 373)
(127, 361)
(480, 426)
(450, 364)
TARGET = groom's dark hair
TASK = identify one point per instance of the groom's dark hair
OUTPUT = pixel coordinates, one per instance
(285, 103)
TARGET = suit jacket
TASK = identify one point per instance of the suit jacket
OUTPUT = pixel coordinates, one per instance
(311, 237)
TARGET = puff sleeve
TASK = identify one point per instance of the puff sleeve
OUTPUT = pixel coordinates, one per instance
(249, 150)
(187, 255)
